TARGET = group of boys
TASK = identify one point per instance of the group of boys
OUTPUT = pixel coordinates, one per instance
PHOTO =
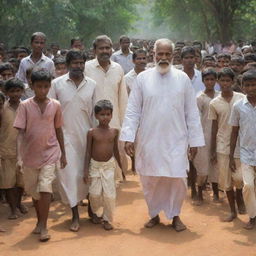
(32, 144)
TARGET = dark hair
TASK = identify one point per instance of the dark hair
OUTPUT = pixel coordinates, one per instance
(187, 50)
(249, 76)
(226, 72)
(39, 34)
(123, 37)
(13, 83)
(40, 75)
(74, 39)
(59, 60)
(2, 96)
(197, 43)
(6, 66)
(21, 50)
(208, 57)
(207, 72)
(135, 54)
(103, 105)
(250, 57)
(237, 59)
(75, 54)
(224, 55)
(197, 50)
(102, 38)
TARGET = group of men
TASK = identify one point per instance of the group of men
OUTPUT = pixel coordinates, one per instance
(159, 123)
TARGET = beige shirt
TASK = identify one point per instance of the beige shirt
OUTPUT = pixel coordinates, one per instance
(8, 134)
(111, 86)
(220, 110)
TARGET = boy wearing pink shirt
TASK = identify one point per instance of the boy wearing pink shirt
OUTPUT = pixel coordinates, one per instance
(40, 146)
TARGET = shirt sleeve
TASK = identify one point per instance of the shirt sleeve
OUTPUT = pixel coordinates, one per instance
(122, 99)
(234, 117)
(58, 119)
(212, 115)
(133, 114)
(20, 121)
(21, 74)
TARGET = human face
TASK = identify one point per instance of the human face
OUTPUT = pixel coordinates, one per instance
(140, 61)
(124, 44)
(38, 44)
(21, 55)
(60, 69)
(104, 117)
(198, 59)
(103, 51)
(41, 89)
(209, 82)
(188, 61)
(209, 63)
(78, 45)
(76, 67)
(225, 83)
(223, 62)
(249, 88)
(7, 74)
(14, 94)
(236, 67)
(163, 56)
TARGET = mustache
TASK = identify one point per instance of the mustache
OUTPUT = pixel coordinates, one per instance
(163, 62)
(105, 55)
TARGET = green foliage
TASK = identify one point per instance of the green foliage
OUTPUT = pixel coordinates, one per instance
(207, 19)
(61, 20)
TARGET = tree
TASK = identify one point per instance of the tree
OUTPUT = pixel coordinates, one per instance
(61, 20)
(206, 19)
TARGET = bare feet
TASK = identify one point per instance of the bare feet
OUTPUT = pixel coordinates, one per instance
(75, 226)
(95, 219)
(178, 225)
(2, 229)
(44, 236)
(23, 209)
(107, 226)
(251, 224)
(36, 230)
(231, 217)
(152, 222)
(13, 216)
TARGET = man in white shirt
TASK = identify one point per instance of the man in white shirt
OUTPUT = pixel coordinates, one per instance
(110, 85)
(140, 61)
(75, 92)
(36, 58)
(124, 55)
(161, 122)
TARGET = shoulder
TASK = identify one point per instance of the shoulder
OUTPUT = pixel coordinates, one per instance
(55, 102)
(237, 105)
(116, 66)
(24, 60)
(90, 63)
(47, 59)
(215, 101)
(90, 81)
(116, 53)
(239, 95)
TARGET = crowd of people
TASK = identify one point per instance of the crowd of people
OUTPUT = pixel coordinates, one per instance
(183, 112)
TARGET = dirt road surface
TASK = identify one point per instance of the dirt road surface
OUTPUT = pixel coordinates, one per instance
(206, 235)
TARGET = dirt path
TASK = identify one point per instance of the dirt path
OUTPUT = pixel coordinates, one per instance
(206, 234)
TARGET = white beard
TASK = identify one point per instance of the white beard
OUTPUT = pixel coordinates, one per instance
(162, 70)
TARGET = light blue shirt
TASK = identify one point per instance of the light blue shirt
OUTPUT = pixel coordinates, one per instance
(243, 114)
(124, 60)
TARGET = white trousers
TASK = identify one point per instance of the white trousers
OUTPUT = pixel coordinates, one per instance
(102, 190)
(164, 194)
(249, 193)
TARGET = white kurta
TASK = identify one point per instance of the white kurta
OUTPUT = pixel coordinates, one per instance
(77, 108)
(162, 119)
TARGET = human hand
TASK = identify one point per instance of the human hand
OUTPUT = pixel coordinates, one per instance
(87, 179)
(192, 153)
(232, 164)
(19, 165)
(129, 148)
(63, 161)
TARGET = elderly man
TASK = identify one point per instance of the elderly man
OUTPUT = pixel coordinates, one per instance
(109, 78)
(161, 122)
(75, 93)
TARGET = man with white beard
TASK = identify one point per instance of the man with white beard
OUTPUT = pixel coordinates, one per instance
(161, 122)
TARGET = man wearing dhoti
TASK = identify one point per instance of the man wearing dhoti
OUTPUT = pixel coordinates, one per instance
(75, 92)
(161, 122)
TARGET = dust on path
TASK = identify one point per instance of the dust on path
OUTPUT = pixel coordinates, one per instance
(206, 234)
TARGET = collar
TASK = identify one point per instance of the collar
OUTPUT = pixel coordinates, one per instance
(68, 79)
(120, 52)
(97, 64)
